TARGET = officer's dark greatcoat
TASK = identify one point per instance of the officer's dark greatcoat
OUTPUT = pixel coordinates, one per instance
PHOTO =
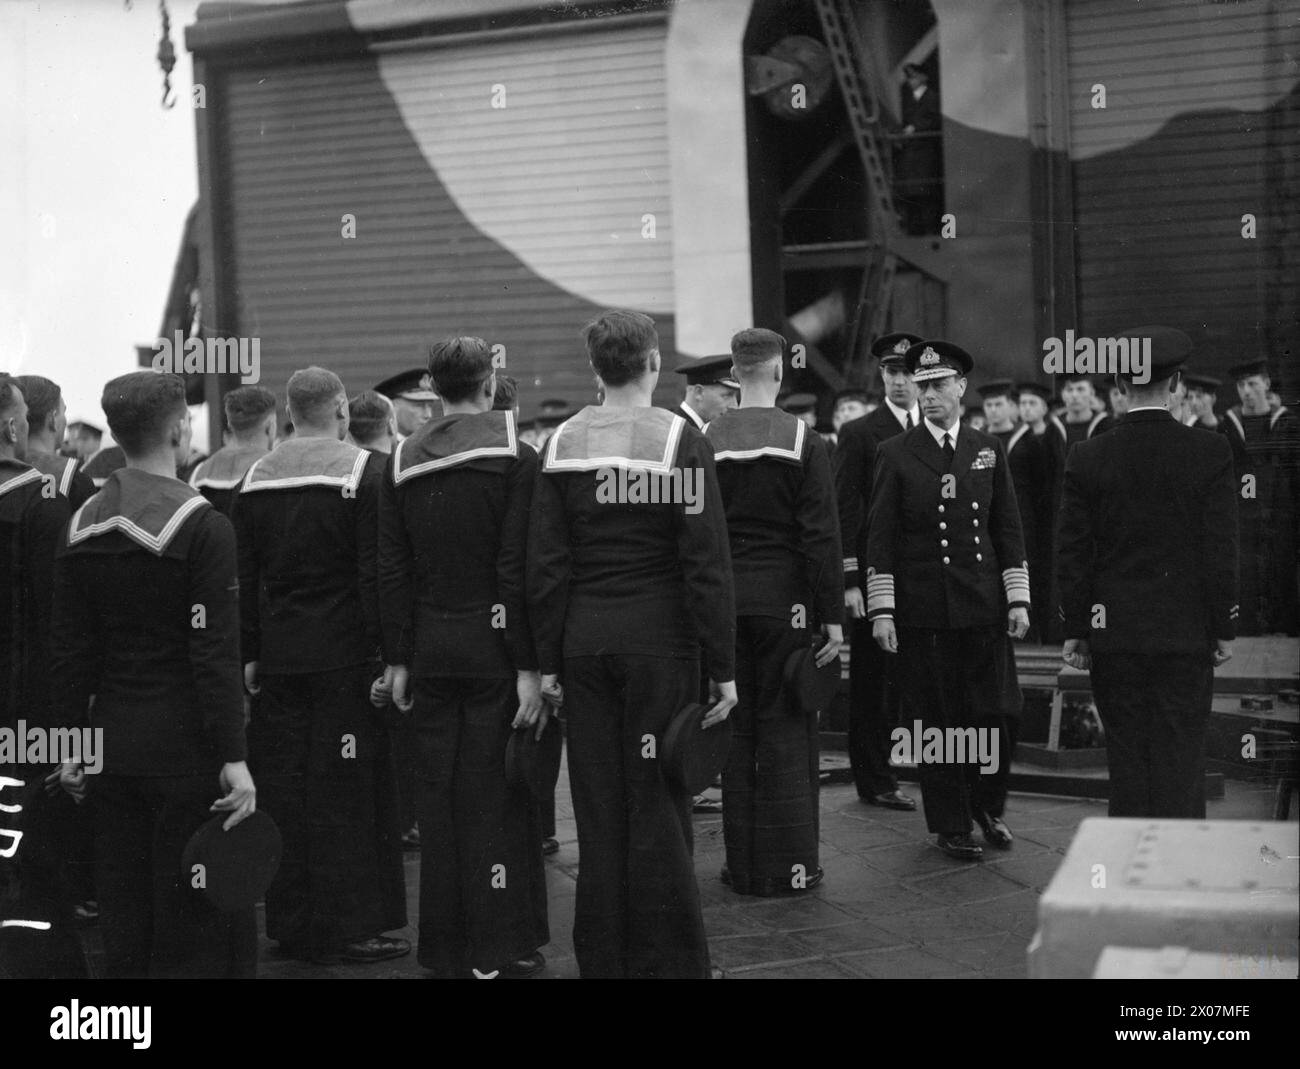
(945, 558)
(873, 692)
(1147, 566)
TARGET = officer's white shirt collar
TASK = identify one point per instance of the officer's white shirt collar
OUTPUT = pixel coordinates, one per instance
(901, 414)
(695, 416)
(1149, 408)
(937, 433)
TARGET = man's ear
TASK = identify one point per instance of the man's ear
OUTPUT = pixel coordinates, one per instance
(961, 385)
(653, 363)
(490, 387)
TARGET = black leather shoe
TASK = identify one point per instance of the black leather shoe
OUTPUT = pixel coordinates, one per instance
(550, 846)
(529, 965)
(891, 800)
(996, 832)
(962, 847)
(366, 951)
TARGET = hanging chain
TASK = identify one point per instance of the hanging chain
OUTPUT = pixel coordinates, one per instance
(166, 56)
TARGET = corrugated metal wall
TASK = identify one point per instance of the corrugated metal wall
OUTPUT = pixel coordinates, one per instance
(492, 239)
(1165, 171)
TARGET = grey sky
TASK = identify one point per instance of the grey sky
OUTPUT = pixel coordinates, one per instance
(95, 179)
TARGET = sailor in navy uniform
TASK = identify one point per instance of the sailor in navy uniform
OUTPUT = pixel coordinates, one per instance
(453, 531)
(627, 579)
(33, 515)
(1147, 566)
(251, 418)
(1202, 391)
(946, 583)
(711, 389)
(107, 460)
(1080, 419)
(1266, 453)
(307, 522)
(873, 692)
(141, 559)
(779, 494)
(47, 422)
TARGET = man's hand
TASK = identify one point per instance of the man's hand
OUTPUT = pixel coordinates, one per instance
(834, 635)
(885, 634)
(250, 678)
(1222, 652)
(528, 685)
(1075, 653)
(857, 608)
(71, 777)
(241, 800)
(723, 695)
(552, 691)
(1017, 622)
(381, 693)
(397, 679)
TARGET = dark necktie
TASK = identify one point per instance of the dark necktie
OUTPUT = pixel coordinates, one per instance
(948, 450)
(909, 424)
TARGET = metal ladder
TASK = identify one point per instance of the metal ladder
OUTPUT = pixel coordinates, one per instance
(864, 117)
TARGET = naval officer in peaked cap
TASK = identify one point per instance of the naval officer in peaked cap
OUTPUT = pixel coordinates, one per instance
(873, 692)
(413, 397)
(1147, 570)
(711, 389)
(946, 583)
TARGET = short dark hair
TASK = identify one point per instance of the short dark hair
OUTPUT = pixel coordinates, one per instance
(755, 346)
(507, 395)
(369, 414)
(312, 393)
(247, 406)
(619, 344)
(42, 397)
(9, 390)
(140, 405)
(459, 367)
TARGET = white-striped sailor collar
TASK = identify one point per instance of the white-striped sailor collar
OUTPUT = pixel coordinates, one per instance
(15, 474)
(1016, 435)
(60, 467)
(148, 509)
(609, 436)
(1054, 421)
(226, 468)
(453, 440)
(305, 462)
(1234, 415)
(753, 433)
